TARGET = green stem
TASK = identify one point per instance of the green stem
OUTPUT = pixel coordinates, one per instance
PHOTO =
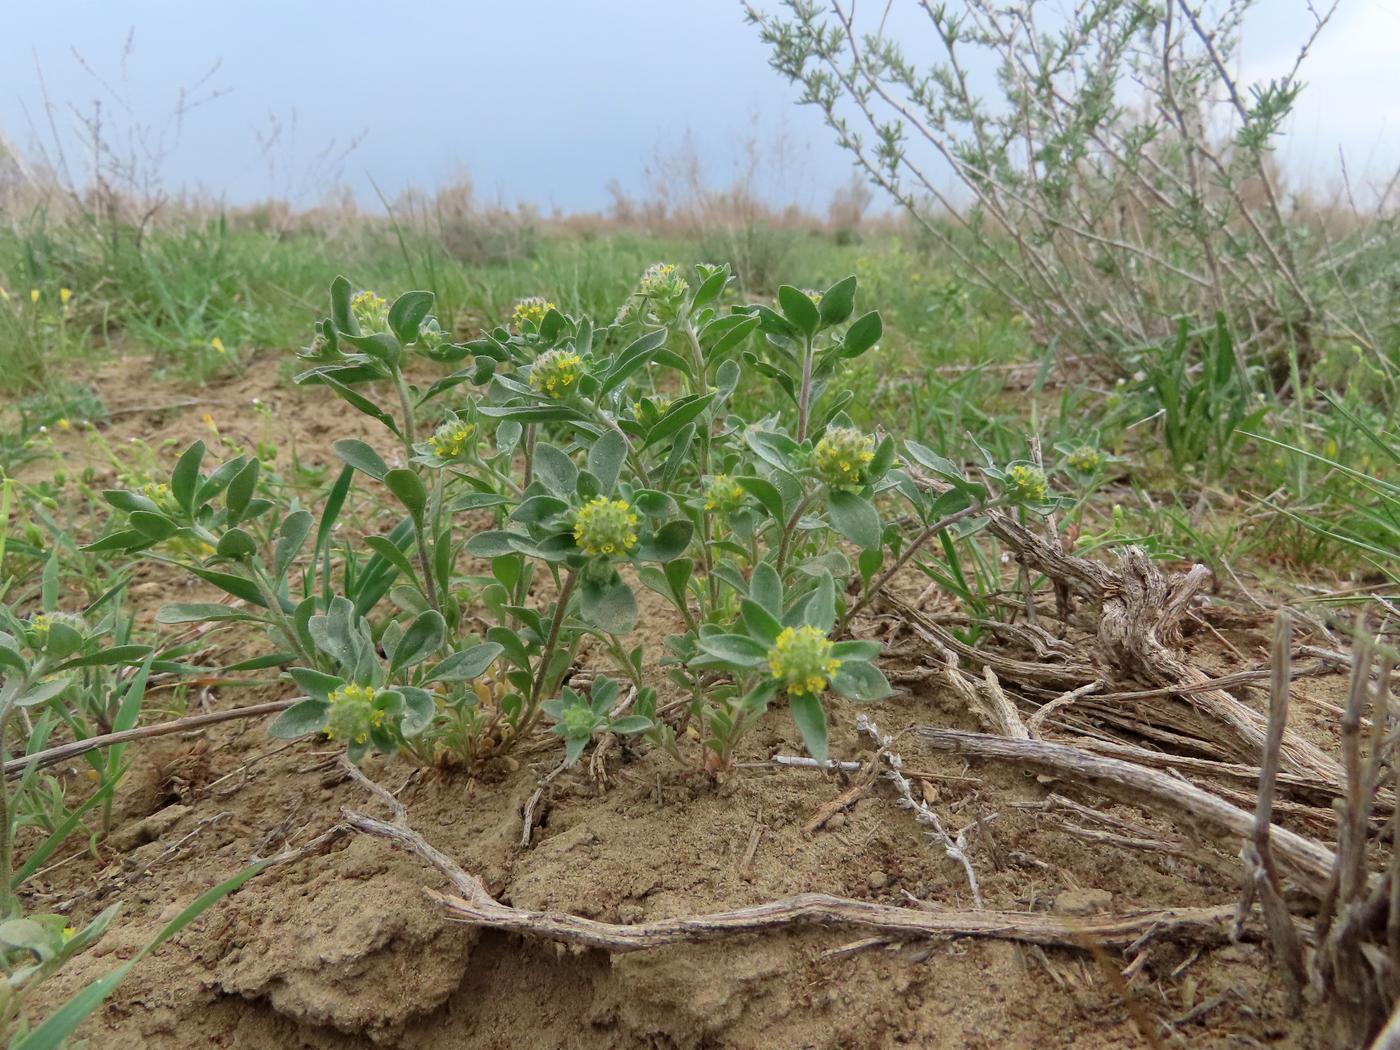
(804, 403)
(903, 560)
(425, 562)
(410, 428)
(789, 529)
(274, 607)
(561, 607)
(9, 903)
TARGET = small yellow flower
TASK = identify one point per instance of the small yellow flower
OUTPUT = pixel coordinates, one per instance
(1086, 460)
(63, 424)
(450, 440)
(801, 660)
(842, 455)
(554, 373)
(663, 281)
(352, 714)
(532, 308)
(723, 494)
(33, 295)
(64, 294)
(371, 312)
(217, 344)
(208, 421)
(1026, 484)
(69, 932)
(606, 526)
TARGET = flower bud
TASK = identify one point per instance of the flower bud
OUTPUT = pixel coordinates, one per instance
(554, 373)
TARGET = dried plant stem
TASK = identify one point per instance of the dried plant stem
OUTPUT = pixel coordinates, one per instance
(1308, 862)
(63, 752)
(923, 813)
(1261, 874)
(474, 906)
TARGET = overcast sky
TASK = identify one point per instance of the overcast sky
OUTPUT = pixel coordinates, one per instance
(539, 100)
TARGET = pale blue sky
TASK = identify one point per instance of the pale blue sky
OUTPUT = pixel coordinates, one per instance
(539, 100)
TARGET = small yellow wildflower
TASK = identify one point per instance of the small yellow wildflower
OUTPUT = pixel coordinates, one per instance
(663, 281)
(1026, 484)
(449, 441)
(801, 660)
(606, 526)
(371, 312)
(723, 494)
(352, 714)
(555, 372)
(842, 455)
(532, 308)
(33, 295)
(1086, 460)
(217, 344)
(63, 424)
(64, 294)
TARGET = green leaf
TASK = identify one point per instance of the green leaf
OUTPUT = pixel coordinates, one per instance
(418, 711)
(555, 470)
(304, 717)
(632, 357)
(356, 401)
(240, 490)
(408, 487)
(630, 724)
(237, 544)
(759, 622)
(679, 414)
(811, 722)
(856, 650)
(821, 606)
(407, 313)
(538, 509)
(296, 527)
(466, 665)
(865, 332)
(609, 606)
(855, 518)
(737, 649)
(117, 654)
(493, 543)
(799, 309)
(154, 527)
(766, 588)
(363, 458)
(185, 478)
(857, 680)
(605, 460)
(316, 684)
(341, 314)
(393, 554)
(838, 301)
(668, 542)
(767, 495)
(423, 637)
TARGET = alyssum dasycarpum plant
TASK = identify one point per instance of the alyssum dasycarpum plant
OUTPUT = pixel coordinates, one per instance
(572, 462)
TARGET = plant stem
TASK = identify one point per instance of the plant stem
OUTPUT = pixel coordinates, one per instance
(274, 606)
(556, 623)
(903, 560)
(9, 904)
(425, 562)
(804, 404)
(791, 527)
(410, 428)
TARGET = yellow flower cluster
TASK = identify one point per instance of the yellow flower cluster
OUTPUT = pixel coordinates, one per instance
(450, 440)
(801, 660)
(1086, 460)
(371, 312)
(1026, 484)
(723, 494)
(606, 526)
(40, 623)
(353, 714)
(662, 281)
(842, 455)
(554, 373)
(532, 308)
